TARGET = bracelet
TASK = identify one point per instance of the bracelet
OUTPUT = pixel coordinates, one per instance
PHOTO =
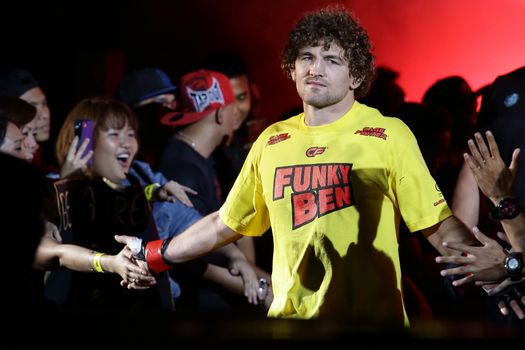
(148, 190)
(97, 266)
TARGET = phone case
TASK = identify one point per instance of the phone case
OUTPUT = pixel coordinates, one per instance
(84, 130)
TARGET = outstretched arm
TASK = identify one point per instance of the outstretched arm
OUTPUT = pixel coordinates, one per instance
(206, 235)
(483, 262)
(51, 255)
(449, 230)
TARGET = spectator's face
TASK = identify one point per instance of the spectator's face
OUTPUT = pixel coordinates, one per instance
(322, 76)
(243, 98)
(230, 118)
(29, 131)
(14, 143)
(36, 97)
(113, 152)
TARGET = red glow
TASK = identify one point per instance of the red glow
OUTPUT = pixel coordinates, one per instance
(428, 40)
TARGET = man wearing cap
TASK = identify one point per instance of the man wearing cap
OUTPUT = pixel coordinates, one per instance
(151, 94)
(208, 119)
(228, 159)
(21, 83)
(147, 85)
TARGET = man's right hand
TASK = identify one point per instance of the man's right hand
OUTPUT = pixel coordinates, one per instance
(135, 246)
(150, 253)
(133, 243)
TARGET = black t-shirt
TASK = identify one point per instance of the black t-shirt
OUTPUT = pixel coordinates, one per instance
(180, 162)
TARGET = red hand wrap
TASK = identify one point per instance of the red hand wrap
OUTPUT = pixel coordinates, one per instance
(154, 257)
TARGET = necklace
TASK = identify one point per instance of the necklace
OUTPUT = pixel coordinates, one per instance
(187, 139)
(114, 186)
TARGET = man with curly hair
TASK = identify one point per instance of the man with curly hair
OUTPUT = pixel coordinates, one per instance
(333, 184)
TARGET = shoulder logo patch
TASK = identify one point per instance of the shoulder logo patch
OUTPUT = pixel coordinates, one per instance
(375, 132)
(278, 138)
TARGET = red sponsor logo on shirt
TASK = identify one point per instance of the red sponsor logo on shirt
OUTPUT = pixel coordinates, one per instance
(277, 138)
(376, 132)
(313, 151)
(317, 189)
(442, 200)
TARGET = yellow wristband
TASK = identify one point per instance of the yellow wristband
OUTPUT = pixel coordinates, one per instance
(96, 262)
(148, 190)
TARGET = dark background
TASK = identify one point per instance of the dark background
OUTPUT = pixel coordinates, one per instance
(81, 48)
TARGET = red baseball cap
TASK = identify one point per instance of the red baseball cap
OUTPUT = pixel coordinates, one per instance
(202, 92)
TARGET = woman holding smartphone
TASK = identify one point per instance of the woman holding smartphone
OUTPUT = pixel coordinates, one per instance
(115, 145)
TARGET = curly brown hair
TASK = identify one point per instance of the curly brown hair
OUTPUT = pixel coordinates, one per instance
(333, 25)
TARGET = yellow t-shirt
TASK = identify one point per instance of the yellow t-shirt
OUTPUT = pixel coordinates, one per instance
(334, 196)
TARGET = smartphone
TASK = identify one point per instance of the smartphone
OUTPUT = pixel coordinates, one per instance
(84, 130)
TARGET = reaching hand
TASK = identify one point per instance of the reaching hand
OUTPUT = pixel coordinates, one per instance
(251, 282)
(74, 161)
(494, 179)
(133, 275)
(134, 246)
(478, 263)
(509, 295)
(132, 242)
(172, 191)
(51, 231)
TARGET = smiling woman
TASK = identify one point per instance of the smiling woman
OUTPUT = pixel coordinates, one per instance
(114, 136)
(115, 146)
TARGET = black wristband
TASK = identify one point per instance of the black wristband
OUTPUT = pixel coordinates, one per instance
(163, 248)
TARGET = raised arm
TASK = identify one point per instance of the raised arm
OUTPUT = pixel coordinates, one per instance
(495, 180)
(51, 255)
(487, 262)
(75, 160)
(466, 198)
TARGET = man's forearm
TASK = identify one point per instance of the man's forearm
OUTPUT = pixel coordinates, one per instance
(449, 230)
(204, 236)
